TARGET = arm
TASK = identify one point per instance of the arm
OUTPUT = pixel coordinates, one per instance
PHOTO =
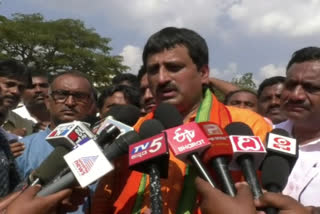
(214, 201)
(223, 86)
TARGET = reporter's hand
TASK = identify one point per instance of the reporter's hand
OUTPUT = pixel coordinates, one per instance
(214, 201)
(29, 203)
(40, 126)
(4, 202)
(285, 204)
(17, 148)
(19, 131)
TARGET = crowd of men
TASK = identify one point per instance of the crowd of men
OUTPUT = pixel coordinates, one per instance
(175, 70)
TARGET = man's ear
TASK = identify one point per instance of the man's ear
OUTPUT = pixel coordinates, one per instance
(204, 72)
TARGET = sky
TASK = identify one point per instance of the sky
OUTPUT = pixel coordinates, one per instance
(256, 36)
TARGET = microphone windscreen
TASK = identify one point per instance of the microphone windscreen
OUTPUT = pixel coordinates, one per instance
(238, 128)
(168, 115)
(281, 132)
(120, 146)
(52, 165)
(150, 128)
(275, 172)
(127, 114)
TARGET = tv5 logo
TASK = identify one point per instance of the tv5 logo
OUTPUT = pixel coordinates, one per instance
(148, 149)
(152, 146)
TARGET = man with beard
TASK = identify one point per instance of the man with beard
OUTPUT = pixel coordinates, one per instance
(14, 79)
(300, 102)
(269, 93)
(71, 97)
(33, 98)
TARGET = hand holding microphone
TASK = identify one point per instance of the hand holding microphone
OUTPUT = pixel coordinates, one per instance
(281, 157)
(248, 152)
(213, 201)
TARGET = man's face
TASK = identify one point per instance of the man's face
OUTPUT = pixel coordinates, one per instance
(147, 100)
(244, 100)
(71, 99)
(116, 98)
(300, 99)
(11, 91)
(175, 79)
(269, 103)
(38, 92)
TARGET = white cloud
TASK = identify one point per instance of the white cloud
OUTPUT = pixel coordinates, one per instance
(227, 73)
(132, 57)
(294, 18)
(146, 16)
(270, 70)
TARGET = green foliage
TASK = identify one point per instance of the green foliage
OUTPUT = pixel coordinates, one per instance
(58, 45)
(245, 82)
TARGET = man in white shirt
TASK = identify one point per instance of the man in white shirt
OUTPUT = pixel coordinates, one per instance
(300, 102)
(34, 97)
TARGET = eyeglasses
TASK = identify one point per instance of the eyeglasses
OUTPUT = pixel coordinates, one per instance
(61, 96)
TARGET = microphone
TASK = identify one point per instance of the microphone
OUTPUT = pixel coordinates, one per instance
(65, 138)
(219, 155)
(187, 141)
(119, 147)
(122, 116)
(127, 114)
(248, 153)
(276, 167)
(279, 143)
(151, 156)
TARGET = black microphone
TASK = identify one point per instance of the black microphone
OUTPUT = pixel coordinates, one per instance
(248, 153)
(219, 155)
(127, 114)
(192, 138)
(151, 156)
(117, 148)
(276, 167)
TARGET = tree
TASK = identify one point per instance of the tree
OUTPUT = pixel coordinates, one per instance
(58, 45)
(245, 82)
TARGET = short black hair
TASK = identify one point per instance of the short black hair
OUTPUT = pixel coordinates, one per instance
(131, 94)
(269, 82)
(229, 95)
(170, 37)
(142, 71)
(130, 78)
(303, 55)
(11, 68)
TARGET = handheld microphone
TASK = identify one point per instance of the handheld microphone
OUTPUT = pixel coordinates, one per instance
(248, 153)
(151, 156)
(219, 155)
(119, 147)
(187, 142)
(279, 143)
(122, 116)
(276, 167)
